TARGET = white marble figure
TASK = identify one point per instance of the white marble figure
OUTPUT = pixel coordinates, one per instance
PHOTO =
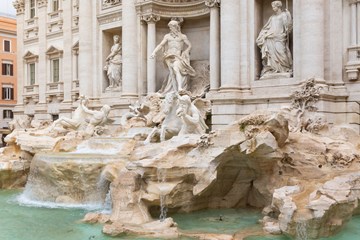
(84, 119)
(176, 58)
(96, 118)
(113, 65)
(191, 117)
(77, 122)
(273, 42)
(171, 124)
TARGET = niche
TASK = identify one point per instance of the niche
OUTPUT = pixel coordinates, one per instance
(263, 11)
(107, 43)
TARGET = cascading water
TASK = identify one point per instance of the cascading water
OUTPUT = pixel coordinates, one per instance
(161, 175)
(67, 180)
(301, 230)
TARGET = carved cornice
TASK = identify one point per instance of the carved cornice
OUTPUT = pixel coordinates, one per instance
(109, 17)
(53, 52)
(110, 3)
(19, 5)
(354, 1)
(150, 18)
(30, 57)
(168, 9)
(42, 3)
(212, 3)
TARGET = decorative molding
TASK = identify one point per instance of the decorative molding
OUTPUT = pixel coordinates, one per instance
(212, 3)
(150, 18)
(75, 48)
(30, 57)
(109, 17)
(110, 3)
(19, 5)
(42, 3)
(169, 9)
(354, 1)
(53, 52)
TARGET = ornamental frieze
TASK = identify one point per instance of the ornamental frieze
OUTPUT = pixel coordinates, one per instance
(19, 5)
(169, 8)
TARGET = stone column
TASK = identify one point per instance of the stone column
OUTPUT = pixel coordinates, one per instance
(42, 71)
(85, 48)
(244, 45)
(151, 20)
(353, 23)
(312, 38)
(230, 45)
(214, 43)
(130, 49)
(67, 56)
(358, 22)
(21, 68)
(143, 61)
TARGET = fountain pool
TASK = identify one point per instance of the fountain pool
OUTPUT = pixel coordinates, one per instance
(19, 222)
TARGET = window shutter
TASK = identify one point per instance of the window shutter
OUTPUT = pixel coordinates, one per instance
(3, 67)
(6, 46)
(11, 114)
(11, 70)
(11, 94)
(3, 93)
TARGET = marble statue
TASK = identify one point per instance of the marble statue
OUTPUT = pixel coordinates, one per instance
(176, 58)
(95, 118)
(113, 65)
(273, 42)
(181, 117)
(76, 122)
(191, 118)
(171, 124)
(84, 119)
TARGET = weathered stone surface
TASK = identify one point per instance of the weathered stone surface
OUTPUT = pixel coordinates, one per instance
(164, 229)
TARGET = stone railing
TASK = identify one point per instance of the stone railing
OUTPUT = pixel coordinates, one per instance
(31, 93)
(75, 90)
(353, 65)
(31, 28)
(54, 90)
(55, 23)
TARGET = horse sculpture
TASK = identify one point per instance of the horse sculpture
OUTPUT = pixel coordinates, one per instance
(171, 124)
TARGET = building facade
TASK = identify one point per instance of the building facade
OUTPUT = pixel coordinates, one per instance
(8, 77)
(63, 48)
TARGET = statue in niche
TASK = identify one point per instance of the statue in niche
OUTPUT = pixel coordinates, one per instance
(273, 42)
(176, 58)
(113, 66)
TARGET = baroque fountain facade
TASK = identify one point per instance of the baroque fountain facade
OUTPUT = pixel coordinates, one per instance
(189, 105)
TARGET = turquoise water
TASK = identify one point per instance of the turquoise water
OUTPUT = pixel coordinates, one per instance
(232, 220)
(34, 223)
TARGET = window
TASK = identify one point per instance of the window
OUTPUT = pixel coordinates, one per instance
(7, 68)
(6, 46)
(8, 114)
(55, 5)
(32, 8)
(7, 93)
(32, 73)
(55, 117)
(55, 70)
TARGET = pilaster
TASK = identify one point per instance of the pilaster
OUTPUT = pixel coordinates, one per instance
(130, 49)
(151, 20)
(214, 60)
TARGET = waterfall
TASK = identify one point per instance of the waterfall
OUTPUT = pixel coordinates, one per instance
(161, 175)
(301, 230)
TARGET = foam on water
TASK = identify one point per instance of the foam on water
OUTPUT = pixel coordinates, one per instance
(25, 201)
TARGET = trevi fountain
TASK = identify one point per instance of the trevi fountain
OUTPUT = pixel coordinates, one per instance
(161, 170)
